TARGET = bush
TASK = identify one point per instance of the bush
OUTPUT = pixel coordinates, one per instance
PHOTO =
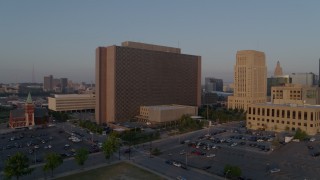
(301, 135)
(232, 171)
(155, 152)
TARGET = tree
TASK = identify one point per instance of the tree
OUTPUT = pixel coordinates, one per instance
(156, 152)
(17, 166)
(301, 135)
(53, 160)
(81, 156)
(232, 171)
(111, 145)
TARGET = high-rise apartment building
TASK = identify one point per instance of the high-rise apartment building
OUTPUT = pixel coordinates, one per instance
(138, 74)
(250, 79)
(213, 84)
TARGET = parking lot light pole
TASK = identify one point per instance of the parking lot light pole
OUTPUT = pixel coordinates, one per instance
(35, 156)
(187, 158)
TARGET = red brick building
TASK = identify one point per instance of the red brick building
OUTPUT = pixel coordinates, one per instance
(29, 116)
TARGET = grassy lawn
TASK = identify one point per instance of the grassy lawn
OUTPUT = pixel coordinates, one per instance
(115, 172)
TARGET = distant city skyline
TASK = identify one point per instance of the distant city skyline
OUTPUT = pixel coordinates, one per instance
(60, 37)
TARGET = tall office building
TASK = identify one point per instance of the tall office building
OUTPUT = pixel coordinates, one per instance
(308, 79)
(48, 83)
(278, 70)
(250, 76)
(213, 84)
(63, 85)
(277, 81)
(138, 74)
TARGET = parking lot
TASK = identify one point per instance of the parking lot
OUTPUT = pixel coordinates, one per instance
(62, 138)
(228, 144)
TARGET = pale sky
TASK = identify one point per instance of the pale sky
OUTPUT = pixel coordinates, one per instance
(59, 37)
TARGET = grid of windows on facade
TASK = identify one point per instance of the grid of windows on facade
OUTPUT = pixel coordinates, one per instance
(284, 117)
(293, 114)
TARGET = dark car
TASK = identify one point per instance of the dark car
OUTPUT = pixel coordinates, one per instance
(169, 162)
(310, 147)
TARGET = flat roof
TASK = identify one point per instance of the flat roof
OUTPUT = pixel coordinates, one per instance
(167, 107)
(288, 105)
(72, 95)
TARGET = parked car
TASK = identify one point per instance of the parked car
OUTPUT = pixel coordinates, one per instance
(176, 164)
(211, 155)
(274, 170)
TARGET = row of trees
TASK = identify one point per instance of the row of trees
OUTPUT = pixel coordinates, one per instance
(93, 127)
(136, 136)
(60, 116)
(222, 115)
(189, 124)
(18, 165)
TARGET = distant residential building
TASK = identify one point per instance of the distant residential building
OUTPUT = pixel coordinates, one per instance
(250, 80)
(308, 79)
(165, 113)
(72, 102)
(29, 116)
(277, 81)
(213, 84)
(278, 70)
(139, 74)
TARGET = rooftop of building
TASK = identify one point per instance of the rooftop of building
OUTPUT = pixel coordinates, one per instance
(288, 105)
(167, 107)
(152, 47)
(72, 95)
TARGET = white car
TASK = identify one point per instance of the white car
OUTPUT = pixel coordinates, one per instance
(177, 164)
(274, 170)
(211, 155)
(233, 144)
(312, 139)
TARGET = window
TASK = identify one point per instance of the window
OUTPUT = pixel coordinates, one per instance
(305, 115)
(288, 114)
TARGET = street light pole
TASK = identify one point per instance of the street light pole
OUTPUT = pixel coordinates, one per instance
(187, 158)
